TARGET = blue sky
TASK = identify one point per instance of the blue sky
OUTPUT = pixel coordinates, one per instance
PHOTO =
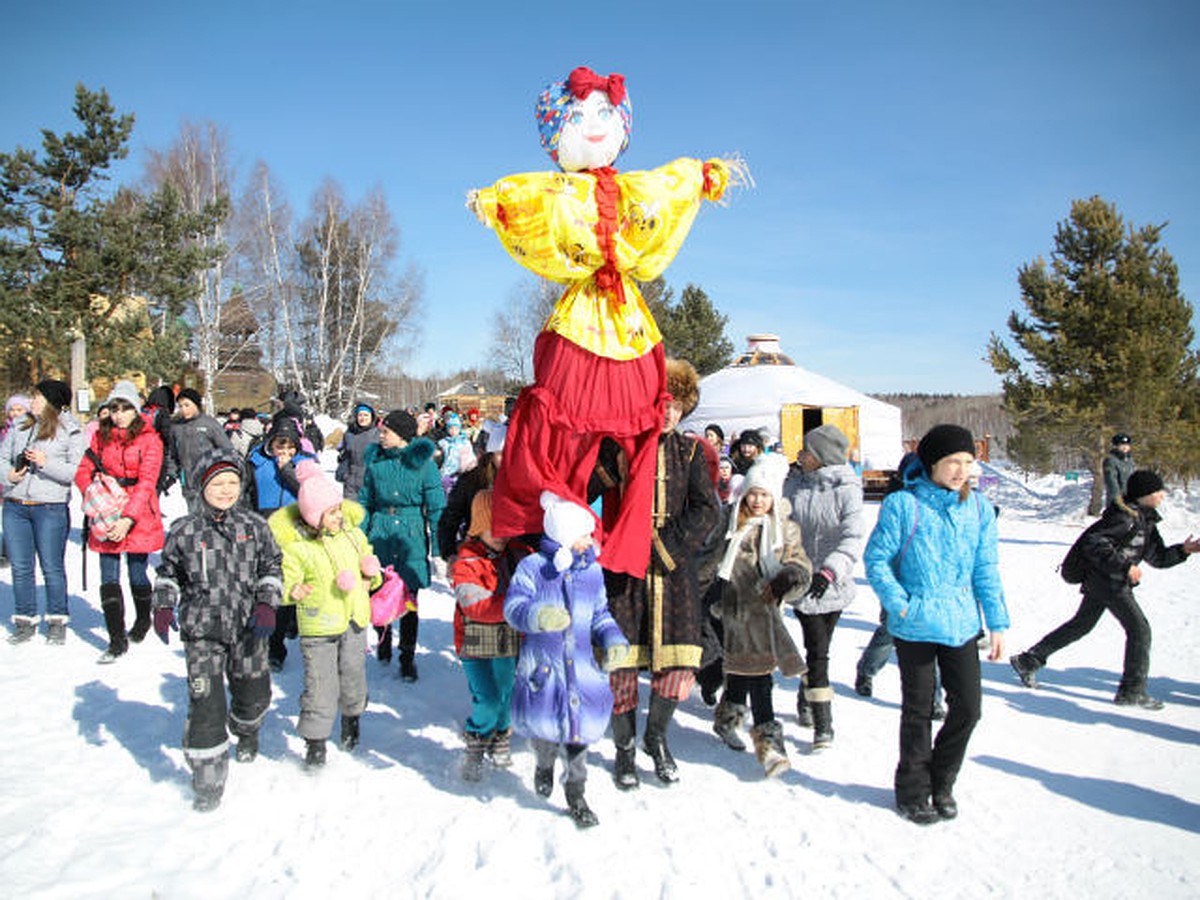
(908, 157)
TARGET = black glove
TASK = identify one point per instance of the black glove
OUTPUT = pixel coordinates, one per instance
(787, 578)
(820, 584)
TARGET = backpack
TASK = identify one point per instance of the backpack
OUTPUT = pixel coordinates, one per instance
(1074, 566)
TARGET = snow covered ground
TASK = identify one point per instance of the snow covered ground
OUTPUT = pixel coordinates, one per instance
(1063, 793)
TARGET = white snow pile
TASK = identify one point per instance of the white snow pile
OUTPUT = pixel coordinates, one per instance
(1063, 793)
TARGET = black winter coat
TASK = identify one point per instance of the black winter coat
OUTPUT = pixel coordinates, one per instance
(1126, 535)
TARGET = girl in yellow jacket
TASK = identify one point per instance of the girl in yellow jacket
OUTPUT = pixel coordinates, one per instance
(328, 572)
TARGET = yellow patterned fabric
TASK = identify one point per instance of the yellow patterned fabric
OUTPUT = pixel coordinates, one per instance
(547, 220)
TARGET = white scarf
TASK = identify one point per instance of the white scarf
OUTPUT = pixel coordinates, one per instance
(770, 542)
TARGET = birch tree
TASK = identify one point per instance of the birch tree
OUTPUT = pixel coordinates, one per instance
(515, 328)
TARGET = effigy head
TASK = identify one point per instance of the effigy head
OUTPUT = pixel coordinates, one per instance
(585, 120)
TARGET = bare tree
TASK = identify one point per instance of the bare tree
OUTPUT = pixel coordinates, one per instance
(516, 327)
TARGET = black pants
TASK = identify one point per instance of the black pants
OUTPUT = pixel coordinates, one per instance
(928, 765)
(759, 689)
(1121, 604)
(285, 629)
(818, 632)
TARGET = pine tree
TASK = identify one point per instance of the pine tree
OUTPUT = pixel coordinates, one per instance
(1106, 347)
(692, 328)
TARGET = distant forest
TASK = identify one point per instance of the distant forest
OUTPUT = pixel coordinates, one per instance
(983, 414)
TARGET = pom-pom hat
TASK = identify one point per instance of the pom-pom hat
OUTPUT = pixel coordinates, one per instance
(318, 494)
(565, 523)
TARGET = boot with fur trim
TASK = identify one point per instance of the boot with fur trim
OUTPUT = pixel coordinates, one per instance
(769, 748)
(727, 719)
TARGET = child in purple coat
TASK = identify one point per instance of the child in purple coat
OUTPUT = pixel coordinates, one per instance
(562, 698)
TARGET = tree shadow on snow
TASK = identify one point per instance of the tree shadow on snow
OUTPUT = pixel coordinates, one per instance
(145, 730)
(1117, 797)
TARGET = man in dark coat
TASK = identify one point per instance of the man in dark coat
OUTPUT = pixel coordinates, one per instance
(1113, 549)
(1118, 466)
(661, 614)
(193, 433)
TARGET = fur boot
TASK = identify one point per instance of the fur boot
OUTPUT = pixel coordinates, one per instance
(472, 761)
(727, 719)
(500, 749)
(769, 748)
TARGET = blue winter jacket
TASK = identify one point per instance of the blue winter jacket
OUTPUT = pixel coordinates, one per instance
(561, 694)
(932, 560)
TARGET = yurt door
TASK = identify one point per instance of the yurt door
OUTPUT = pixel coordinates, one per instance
(797, 418)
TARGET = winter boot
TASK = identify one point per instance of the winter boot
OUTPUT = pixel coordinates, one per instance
(862, 685)
(580, 812)
(543, 780)
(207, 799)
(472, 761)
(768, 747)
(803, 711)
(247, 748)
(24, 628)
(112, 603)
(921, 813)
(314, 755)
(141, 606)
(1026, 666)
(383, 651)
(408, 665)
(499, 750)
(1136, 697)
(654, 741)
(727, 719)
(349, 738)
(624, 730)
(944, 803)
(822, 723)
(56, 630)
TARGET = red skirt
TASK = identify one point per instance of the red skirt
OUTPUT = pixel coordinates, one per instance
(578, 399)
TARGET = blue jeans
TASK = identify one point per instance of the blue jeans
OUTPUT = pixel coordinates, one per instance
(38, 532)
(135, 567)
(879, 650)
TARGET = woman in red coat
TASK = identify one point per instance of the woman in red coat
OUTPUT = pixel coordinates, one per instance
(127, 448)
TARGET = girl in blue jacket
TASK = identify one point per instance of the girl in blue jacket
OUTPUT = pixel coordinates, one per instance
(932, 560)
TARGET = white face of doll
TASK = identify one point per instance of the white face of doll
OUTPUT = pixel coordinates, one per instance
(592, 134)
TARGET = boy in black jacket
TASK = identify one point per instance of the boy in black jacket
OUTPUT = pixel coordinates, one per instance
(223, 570)
(1113, 549)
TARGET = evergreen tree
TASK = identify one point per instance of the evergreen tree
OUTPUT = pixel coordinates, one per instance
(1106, 347)
(692, 328)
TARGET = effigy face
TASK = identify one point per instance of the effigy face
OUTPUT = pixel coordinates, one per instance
(592, 134)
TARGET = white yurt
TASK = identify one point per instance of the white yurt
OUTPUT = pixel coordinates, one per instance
(764, 389)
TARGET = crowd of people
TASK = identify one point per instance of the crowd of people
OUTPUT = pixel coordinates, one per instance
(553, 642)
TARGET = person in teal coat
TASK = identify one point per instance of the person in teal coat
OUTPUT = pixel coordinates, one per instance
(402, 494)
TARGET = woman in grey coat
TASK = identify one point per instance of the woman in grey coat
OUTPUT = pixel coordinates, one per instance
(826, 498)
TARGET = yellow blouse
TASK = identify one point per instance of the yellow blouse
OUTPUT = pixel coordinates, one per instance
(546, 221)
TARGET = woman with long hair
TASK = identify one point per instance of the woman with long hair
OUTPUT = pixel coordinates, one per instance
(127, 448)
(40, 453)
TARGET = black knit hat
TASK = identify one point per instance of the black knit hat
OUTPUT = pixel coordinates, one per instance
(1121, 438)
(942, 440)
(401, 423)
(193, 395)
(1142, 483)
(57, 393)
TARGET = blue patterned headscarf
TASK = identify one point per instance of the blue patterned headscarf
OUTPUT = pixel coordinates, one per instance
(553, 102)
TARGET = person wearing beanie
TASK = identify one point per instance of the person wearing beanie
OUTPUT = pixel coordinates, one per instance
(352, 451)
(127, 448)
(402, 494)
(1117, 467)
(932, 560)
(58, 393)
(452, 526)
(329, 569)
(715, 435)
(826, 499)
(487, 645)
(192, 434)
(662, 613)
(224, 615)
(1112, 550)
(39, 455)
(762, 566)
(746, 449)
(561, 698)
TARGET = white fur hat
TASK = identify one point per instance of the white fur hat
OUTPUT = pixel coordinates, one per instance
(767, 473)
(565, 523)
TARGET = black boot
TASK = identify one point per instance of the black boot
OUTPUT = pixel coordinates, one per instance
(543, 780)
(822, 724)
(654, 741)
(408, 665)
(247, 748)
(577, 806)
(112, 603)
(624, 730)
(407, 640)
(314, 755)
(804, 714)
(141, 607)
(349, 733)
(383, 651)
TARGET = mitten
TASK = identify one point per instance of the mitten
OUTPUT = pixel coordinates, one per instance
(786, 579)
(820, 584)
(553, 618)
(164, 621)
(347, 580)
(369, 565)
(262, 621)
(614, 656)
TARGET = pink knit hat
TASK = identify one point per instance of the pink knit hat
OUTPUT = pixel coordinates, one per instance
(317, 493)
